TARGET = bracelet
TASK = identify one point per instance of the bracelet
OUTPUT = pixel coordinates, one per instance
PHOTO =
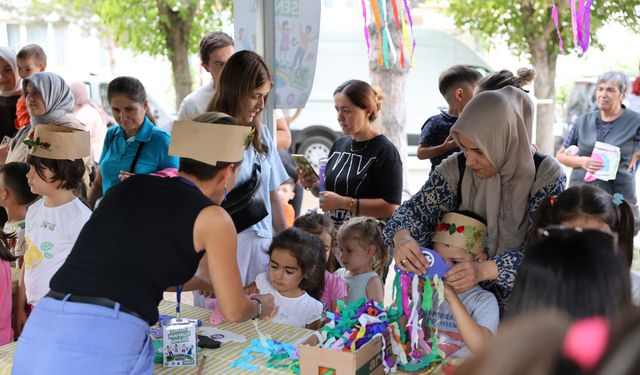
(357, 207)
(351, 204)
(260, 307)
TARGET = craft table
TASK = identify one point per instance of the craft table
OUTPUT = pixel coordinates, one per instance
(218, 360)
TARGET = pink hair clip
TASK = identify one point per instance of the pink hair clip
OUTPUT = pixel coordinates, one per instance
(586, 341)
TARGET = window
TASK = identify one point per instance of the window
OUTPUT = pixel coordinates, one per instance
(37, 33)
(60, 40)
(13, 36)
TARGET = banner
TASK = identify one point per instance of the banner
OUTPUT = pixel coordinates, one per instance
(296, 45)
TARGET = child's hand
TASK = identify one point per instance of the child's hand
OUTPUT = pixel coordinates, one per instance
(124, 175)
(448, 291)
(251, 289)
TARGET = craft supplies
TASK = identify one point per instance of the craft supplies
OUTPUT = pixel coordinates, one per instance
(179, 339)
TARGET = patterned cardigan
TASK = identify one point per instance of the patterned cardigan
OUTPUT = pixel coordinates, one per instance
(420, 214)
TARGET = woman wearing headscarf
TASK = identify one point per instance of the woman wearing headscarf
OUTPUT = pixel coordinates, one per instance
(91, 115)
(496, 177)
(9, 92)
(49, 101)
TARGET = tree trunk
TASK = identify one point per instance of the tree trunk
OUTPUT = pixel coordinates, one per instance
(177, 34)
(544, 61)
(391, 82)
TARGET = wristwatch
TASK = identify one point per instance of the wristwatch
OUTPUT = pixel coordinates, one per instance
(260, 307)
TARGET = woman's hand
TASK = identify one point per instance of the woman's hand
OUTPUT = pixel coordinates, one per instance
(634, 160)
(463, 276)
(124, 175)
(591, 165)
(269, 308)
(330, 201)
(408, 256)
(307, 178)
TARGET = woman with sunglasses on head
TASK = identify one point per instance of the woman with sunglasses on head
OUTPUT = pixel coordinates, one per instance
(591, 208)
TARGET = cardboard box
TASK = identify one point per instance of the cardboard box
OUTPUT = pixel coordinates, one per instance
(366, 360)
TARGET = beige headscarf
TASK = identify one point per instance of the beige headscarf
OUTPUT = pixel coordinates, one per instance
(496, 121)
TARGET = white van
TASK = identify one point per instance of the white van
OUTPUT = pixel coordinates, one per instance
(342, 55)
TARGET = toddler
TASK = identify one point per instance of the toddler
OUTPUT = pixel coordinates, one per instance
(364, 258)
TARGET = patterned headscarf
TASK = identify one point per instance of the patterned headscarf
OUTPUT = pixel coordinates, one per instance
(496, 121)
(9, 57)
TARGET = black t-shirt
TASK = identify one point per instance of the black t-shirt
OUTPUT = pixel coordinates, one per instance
(137, 243)
(369, 169)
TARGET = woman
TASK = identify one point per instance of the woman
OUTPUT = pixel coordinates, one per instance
(131, 250)
(49, 101)
(613, 124)
(135, 145)
(497, 177)
(9, 92)
(90, 114)
(363, 175)
(242, 92)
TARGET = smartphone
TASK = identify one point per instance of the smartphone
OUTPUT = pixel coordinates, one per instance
(303, 164)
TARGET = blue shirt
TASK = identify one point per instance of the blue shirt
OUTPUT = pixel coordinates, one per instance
(273, 175)
(435, 131)
(118, 153)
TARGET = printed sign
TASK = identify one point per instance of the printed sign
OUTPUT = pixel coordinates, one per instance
(296, 45)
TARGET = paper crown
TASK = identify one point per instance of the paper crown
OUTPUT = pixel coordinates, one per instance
(58, 142)
(462, 231)
(209, 143)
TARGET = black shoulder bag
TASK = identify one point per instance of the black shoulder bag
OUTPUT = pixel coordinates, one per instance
(244, 202)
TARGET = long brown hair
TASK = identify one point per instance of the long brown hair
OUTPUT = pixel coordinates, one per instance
(245, 72)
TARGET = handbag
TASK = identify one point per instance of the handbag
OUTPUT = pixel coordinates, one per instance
(244, 203)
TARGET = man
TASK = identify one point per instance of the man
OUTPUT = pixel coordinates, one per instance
(215, 49)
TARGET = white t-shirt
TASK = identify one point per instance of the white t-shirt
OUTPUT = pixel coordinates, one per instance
(298, 311)
(196, 102)
(50, 233)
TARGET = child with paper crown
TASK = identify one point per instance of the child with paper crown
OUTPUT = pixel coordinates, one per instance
(463, 321)
(53, 222)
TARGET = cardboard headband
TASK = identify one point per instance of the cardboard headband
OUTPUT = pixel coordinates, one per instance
(58, 142)
(210, 143)
(462, 231)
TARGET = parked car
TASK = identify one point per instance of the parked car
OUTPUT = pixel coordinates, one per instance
(342, 55)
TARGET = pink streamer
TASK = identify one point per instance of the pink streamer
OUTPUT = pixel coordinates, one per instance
(574, 21)
(554, 13)
(366, 28)
(586, 32)
(405, 281)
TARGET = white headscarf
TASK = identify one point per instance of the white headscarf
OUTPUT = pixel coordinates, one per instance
(496, 121)
(9, 56)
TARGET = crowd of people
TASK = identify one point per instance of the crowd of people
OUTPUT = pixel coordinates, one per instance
(102, 220)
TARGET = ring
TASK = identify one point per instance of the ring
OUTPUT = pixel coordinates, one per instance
(402, 261)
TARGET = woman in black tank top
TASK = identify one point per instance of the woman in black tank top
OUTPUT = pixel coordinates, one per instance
(148, 235)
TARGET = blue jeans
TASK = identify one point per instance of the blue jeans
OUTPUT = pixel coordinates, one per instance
(63, 337)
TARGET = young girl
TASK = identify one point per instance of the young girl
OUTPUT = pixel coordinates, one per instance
(15, 198)
(52, 223)
(295, 278)
(590, 207)
(364, 258)
(6, 333)
(323, 227)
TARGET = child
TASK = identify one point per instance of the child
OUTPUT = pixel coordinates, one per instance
(464, 321)
(54, 221)
(590, 207)
(323, 227)
(456, 85)
(295, 278)
(285, 195)
(6, 333)
(364, 258)
(573, 270)
(30, 59)
(15, 198)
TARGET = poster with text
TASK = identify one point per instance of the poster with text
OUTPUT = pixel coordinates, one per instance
(296, 45)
